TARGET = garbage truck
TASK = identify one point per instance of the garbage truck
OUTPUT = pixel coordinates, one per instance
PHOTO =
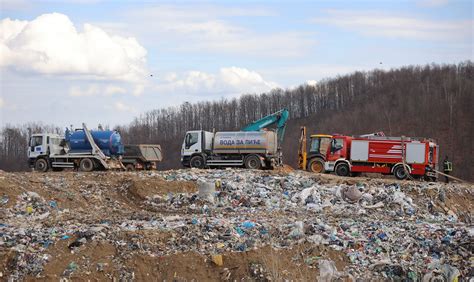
(142, 157)
(79, 149)
(253, 147)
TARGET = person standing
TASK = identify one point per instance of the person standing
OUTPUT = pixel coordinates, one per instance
(447, 168)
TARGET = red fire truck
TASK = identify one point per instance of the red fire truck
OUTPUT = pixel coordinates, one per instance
(373, 153)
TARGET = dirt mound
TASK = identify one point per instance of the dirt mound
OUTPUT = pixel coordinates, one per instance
(143, 188)
(284, 169)
(96, 261)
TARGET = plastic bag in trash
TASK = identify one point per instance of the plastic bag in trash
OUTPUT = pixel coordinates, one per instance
(327, 271)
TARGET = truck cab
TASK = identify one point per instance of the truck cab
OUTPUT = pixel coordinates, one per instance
(195, 143)
(339, 149)
(325, 150)
(318, 149)
(320, 144)
(44, 145)
(41, 146)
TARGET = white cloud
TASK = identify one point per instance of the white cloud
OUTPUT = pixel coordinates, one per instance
(119, 106)
(51, 45)
(311, 73)
(393, 26)
(99, 90)
(112, 89)
(77, 91)
(138, 90)
(228, 81)
(241, 78)
(204, 28)
(311, 82)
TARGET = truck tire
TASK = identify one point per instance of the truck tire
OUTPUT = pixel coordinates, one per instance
(342, 169)
(316, 165)
(252, 162)
(197, 162)
(41, 165)
(86, 165)
(400, 173)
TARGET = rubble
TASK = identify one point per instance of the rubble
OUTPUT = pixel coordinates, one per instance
(384, 229)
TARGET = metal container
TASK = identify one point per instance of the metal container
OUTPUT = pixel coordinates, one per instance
(110, 142)
(144, 152)
(246, 142)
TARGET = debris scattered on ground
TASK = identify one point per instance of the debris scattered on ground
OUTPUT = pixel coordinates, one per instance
(118, 225)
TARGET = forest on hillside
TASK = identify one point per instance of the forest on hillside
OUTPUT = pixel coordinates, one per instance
(434, 101)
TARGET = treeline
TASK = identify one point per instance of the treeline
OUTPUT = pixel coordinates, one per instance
(14, 144)
(430, 101)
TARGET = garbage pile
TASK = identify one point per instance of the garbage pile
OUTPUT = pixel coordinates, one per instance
(385, 229)
(380, 228)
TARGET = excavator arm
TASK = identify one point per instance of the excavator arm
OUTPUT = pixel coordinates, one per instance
(279, 118)
(302, 154)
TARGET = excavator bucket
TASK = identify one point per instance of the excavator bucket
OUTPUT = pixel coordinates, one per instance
(302, 154)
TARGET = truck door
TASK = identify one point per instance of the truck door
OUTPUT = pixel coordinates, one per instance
(338, 149)
(36, 147)
(192, 143)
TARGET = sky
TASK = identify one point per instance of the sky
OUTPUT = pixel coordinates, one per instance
(68, 62)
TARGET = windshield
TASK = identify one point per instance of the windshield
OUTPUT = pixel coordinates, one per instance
(320, 145)
(36, 141)
(315, 145)
(191, 139)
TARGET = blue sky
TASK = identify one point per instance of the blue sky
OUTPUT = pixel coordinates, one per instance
(65, 62)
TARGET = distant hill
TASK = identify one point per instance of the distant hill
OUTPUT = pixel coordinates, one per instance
(433, 101)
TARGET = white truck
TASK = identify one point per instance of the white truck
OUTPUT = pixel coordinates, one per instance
(77, 150)
(254, 147)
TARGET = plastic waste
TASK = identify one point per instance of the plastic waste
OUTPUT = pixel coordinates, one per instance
(4, 200)
(327, 271)
(217, 260)
(207, 190)
(351, 194)
(248, 224)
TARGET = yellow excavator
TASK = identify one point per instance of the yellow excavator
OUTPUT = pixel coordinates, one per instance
(314, 160)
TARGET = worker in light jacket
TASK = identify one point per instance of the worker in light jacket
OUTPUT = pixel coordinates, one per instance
(447, 168)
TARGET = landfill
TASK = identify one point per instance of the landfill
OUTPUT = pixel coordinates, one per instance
(233, 224)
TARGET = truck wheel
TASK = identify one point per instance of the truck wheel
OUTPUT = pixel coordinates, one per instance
(197, 162)
(316, 165)
(342, 169)
(41, 165)
(400, 173)
(253, 162)
(86, 165)
(130, 167)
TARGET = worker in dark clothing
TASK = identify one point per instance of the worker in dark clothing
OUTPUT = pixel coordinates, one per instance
(447, 168)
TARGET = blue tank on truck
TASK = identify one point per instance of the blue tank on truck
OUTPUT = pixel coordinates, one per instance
(108, 141)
